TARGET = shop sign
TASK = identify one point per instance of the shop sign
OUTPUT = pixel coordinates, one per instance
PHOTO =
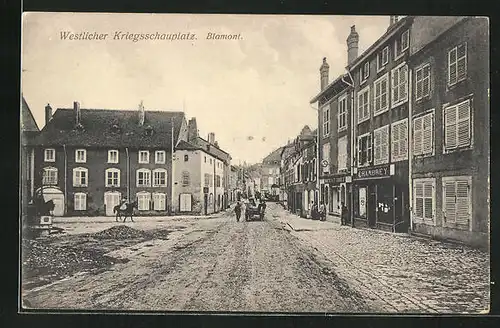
(205, 190)
(362, 202)
(374, 172)
(339, 180)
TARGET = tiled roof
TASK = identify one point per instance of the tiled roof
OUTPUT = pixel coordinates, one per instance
(111, 128)
(426, 29)
(273, 156)
(184, 145)
(202, 144)
(28, 123)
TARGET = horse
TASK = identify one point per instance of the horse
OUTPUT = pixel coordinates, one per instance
(128, 211)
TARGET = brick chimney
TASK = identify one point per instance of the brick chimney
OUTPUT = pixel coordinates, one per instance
(141, 113)
(48, 114)
(352, 45)
(393, 20)
(192, 130)
(78, 113)
(211, 138)
(323, 71)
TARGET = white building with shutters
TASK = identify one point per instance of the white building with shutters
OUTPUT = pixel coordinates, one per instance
(450, 128)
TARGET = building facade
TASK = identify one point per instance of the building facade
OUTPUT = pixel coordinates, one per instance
(450, 128)
(88, 160)
(270, 172)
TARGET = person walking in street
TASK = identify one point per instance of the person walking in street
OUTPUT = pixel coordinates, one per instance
(237, 211)
(343, 214)
(322, 211)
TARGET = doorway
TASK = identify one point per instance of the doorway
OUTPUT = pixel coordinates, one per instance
(111, 199)
(371, 206)
(205, 202)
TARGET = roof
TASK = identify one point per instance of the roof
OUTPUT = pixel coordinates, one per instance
(275, 155)
(111, 128)
(202, 144)
(337, 86)
(28, 123)
(426, 29)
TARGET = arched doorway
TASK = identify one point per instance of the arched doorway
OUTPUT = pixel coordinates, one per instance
(56, 195)
(111, 199)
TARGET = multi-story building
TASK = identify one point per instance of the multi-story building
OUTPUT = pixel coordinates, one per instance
(200, 174)
(286, 153)
(270, 171)
(29, 130)
(233, 184)
(450, 128)
(380, 128)
(334, 136)
(89, 159)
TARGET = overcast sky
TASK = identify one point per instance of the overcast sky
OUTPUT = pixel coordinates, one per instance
(259, 86)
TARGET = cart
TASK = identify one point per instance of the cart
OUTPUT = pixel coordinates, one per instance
(254, 211)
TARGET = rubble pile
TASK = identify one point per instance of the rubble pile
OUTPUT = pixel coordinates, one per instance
(120, 232)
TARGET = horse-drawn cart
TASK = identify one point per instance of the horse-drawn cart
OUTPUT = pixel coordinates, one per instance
(39, 216)
(254, 210)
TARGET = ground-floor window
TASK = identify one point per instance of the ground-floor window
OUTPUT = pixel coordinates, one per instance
(80, 203)
(159, 201)
(143, 200)
(362, 202)
(457, 201)
(424, 200)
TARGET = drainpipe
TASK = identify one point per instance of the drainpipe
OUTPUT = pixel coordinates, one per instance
(410, 148)
(353, 151)
(128, 174)
(65, 180)
(215, 189)
(32, 173)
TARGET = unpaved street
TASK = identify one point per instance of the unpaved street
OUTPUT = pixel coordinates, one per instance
(214, 264)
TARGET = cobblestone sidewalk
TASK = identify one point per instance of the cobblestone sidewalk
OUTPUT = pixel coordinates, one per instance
(408, 274)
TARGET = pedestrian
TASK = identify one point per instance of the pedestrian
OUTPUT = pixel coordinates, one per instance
(123, 205)
(315, 211)
(322, 211)
(343, 214)
(237, 211)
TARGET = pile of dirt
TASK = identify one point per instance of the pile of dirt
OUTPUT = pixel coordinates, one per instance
(120, 232)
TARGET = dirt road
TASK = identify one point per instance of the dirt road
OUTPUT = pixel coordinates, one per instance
(214, 264)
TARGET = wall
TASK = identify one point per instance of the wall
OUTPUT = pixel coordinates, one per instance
(195, 187)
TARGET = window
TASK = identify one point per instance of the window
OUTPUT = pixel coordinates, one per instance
(80, 202)
(185, 179)
(49, 176)
(383, 58)
(211, 199)
(217, 180)
(160, 178)
(381, 97)
(113, 156)
(381, 145)
(211, 180)
(457, 126)
(364, 72)
(314, 169)
(424, 199)
(399, 85)
(364, 105)
(80, 156)
(205, 158)
(365, 149)
(270, 181)
(160, 157)
(207, 179)
(143, 200)
(143, 157)
(342, 110)
(457, 64)
(399, 136)
(186, 158)
(402, 44)
(423, 134)
(423, 82)
(143, 178)
(325, 162)
(342, 158)
(326, 120)
(112, 178)
(457, 201)
(50, 155)
(210, 161)
(80, 177)
(159, 203)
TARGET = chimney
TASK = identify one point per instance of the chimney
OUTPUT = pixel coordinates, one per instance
(323, 71)
(48, 113)
(352, 45)
(142, 114)
(211, 138)
(393, 20)
(192, 130)
(78, 114)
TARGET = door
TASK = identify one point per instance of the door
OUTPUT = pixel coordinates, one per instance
(57, 197)
(111, 199)
(185, 202)
(205, 202)
(371, 205)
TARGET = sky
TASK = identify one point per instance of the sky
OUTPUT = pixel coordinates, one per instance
(252, 92)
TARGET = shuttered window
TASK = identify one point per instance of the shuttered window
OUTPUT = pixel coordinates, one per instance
(457, 64)
(159, 201)
(143, 201)
(80, 177)
(381, 96)
(80, 201)
(423, 82)
(325, 161)
(424, 199)
(457, 201)
(49, 176)
(423, 135)
(342, 158)
(399, 83)
(381, 145)
(365, 150)
(457, 125)
(364, 105)
(342, 113)
(326, 120)
(399, 140)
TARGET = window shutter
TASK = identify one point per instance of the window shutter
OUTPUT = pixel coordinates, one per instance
(428, 200)
(377, 142)
(417, 136)
(419, 84)
(377, 97)
(384, 99)
(369, 146)
(385, 145)
(395, 141)
(75, 177)
(449, 201)
(403, 78)
(461, 61)
(462, 203)
(395, 90)
(450, 130)
(360, 151)
(463, 124)
(427, 133)
(452, 66)
(403, 139)
(419, 200)
(426, 80)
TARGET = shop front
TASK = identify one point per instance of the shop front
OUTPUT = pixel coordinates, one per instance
(380, 198)
(336, 192)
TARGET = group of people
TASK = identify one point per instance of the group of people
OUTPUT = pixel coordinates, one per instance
(238, 208)
(314, 212)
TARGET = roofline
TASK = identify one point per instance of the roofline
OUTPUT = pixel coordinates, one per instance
(328, 87)
(215, 146)
(374, 46)
(203, 150)
(31, 114)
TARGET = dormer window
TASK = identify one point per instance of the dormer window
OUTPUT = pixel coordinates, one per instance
(402, 44)
(49, 155)
(143, 157)
(149, 131)
(160, 157)
(115, 128)
(113, 156)
(365, 71)
(80, 156)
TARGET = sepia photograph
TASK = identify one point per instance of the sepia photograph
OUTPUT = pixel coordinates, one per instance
(231, 163)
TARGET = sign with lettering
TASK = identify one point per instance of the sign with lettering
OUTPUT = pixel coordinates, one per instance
(374, 172)
(205, 190)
